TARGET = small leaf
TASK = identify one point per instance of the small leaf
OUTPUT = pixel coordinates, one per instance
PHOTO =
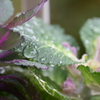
(26, 16)
(89, 35)
(9, 39)
(6, 10)
(92, 79)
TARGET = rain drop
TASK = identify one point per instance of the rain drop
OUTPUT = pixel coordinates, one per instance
(51, 56)
(4, 10)
(43, 59)
(52, 65)
(58, 55)
(50, 62)
(29, 52)
(86, 41)
(60, 62)
(2, 70)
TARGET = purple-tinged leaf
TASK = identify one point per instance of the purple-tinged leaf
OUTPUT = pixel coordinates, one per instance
(25, 16)
(21, 62)
(2, 98)
(9, 55)
(18, 87)
(9, 39)
(3, 54)
(98, 69)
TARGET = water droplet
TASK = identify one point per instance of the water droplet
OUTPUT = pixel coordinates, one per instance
(4, 10)
(59, 55)
(27, 25)
(50, 62)
(43, 59)
(2, 70)
(52, 65)
(79, 96)
(36, 46)
(29, 30)
(29, 52)
(60, 62)
(51, 56)
(86, 41)
(21, 28)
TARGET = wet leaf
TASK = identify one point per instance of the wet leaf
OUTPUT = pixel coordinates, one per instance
(41, 44)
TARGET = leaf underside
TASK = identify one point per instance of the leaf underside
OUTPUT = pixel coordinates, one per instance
(24, 17)
(9, 39)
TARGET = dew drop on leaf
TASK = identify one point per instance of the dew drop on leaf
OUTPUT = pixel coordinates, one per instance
(43, 59)
(4, 10)
(2, 70)
(52, 65)
(60, 62)
(30, 52)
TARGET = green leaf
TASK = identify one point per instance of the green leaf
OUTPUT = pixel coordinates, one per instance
(14, 80)
(49, 86)
(89, 35)
(91, 79)
(97, 97)
(43, 45)
(44, 85)
(6, 10)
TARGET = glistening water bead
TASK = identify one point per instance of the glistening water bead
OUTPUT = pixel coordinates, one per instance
(29, 52)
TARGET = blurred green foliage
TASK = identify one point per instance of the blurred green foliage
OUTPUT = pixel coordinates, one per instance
(71, 14)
